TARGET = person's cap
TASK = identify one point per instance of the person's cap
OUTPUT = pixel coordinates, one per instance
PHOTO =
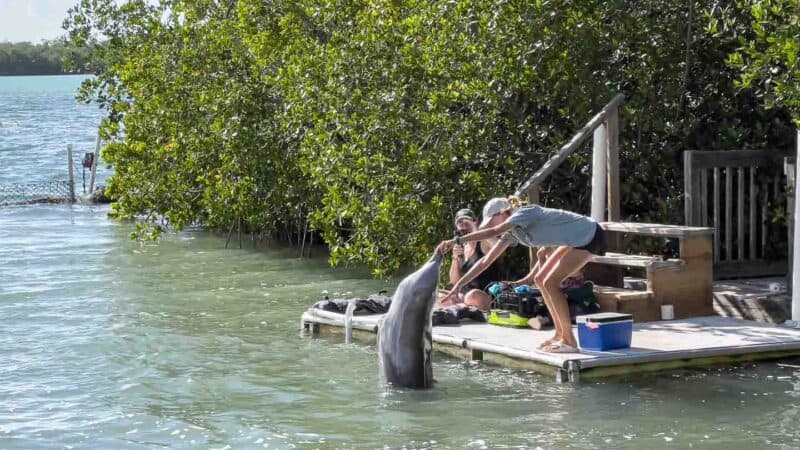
(465, 213)
(493, 207)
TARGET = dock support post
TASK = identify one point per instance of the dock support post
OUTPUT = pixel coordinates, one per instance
(569, 374)
(573, 371)
(311, 328)
(94, 164)
(476, 355)
(796, 246)
(71, 174)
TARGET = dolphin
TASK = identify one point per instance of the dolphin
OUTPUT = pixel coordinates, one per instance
(404, 337)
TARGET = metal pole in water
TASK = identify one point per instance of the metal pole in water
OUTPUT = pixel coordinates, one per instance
(94, 164)
(796, 246)
(348, 322)
(71, 175)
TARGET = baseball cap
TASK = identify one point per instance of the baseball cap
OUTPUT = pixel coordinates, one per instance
(493, 207)
(465, 213)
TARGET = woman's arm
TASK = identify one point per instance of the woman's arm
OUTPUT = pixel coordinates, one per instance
(477, 236)
(494, 231)
(455, 266)
(480, 266)
(527, 279)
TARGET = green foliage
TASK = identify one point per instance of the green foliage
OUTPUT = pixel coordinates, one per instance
(769, 44)
(376, 120)
(48, 58)
(190, 119)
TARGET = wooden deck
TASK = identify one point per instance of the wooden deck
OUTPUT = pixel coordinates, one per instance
(656, 346)
(762, 299)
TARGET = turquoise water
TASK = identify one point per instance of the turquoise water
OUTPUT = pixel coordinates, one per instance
(108, 343)
(39, 117)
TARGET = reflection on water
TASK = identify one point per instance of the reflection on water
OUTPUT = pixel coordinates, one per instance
(109, 343)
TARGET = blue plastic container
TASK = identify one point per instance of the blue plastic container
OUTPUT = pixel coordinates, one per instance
(604, 331)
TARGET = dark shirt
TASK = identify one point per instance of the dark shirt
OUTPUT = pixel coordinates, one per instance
(490, 275)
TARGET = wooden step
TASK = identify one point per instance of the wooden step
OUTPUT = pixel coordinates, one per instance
(609, 297)
(625, 260)
(635, 283)
(641, 304)
(610, 291)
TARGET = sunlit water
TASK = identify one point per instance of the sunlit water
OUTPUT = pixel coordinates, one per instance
(108, 343)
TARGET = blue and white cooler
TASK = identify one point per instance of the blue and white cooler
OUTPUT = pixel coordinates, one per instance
(604, 331)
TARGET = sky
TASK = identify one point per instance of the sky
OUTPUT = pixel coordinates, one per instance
(32, 20)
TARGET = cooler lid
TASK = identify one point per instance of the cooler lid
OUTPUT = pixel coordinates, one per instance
(603, 317)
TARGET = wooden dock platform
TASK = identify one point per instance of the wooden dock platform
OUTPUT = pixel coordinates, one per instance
(656, 346)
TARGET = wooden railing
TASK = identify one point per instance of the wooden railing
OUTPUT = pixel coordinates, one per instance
(740, 210)
(605, 163)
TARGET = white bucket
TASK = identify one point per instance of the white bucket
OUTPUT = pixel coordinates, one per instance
(667, 312)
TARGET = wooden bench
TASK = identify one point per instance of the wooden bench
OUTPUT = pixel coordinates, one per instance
(641, 261)
(652, 229)
(684, 283)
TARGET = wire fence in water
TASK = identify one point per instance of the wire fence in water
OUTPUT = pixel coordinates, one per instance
(55, 191)
(44, 192)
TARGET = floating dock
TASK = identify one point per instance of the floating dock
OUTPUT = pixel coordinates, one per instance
(655, 346)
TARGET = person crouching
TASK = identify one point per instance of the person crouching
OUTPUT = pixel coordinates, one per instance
(464, 258)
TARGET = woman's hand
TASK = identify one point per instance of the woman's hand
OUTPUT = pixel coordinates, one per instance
(525, 282)
(450, 299)
(458, 252)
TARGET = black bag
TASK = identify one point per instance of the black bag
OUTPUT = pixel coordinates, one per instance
(530, 304)
(526, 304)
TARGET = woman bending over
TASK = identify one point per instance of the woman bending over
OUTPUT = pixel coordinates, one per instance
(575, 239)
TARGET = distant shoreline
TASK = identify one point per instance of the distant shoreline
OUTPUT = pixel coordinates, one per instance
(44, 74)
(48, 58)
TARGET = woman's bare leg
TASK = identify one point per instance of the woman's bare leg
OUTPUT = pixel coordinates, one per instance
(553, 256)
(563, 262)
(478, 299)
(541, 256)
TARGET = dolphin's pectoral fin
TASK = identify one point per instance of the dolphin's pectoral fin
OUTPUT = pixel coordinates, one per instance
(427, 350)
